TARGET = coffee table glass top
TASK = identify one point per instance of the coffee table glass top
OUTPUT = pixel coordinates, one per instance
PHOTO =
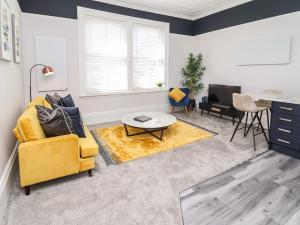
(159, 120)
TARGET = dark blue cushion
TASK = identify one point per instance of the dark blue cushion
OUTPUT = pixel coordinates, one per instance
(67, 101)
(74, 113)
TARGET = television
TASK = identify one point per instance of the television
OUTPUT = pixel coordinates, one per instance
(222, 94)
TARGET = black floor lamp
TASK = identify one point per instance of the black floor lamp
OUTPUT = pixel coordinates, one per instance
(47, 71)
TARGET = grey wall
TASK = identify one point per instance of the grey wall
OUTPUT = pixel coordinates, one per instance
(12, 99)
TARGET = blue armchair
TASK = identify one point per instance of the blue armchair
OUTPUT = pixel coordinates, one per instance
(184, 102)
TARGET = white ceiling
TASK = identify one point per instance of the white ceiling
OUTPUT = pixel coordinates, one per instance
(188, 9)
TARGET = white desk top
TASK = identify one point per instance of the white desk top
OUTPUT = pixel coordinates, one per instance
(277, 98)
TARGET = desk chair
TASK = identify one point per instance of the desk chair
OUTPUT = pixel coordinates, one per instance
(245, 104)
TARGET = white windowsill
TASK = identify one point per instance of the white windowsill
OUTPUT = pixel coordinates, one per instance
(124, 93)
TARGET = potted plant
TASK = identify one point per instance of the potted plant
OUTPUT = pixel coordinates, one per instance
(192, 74)
(160, 84)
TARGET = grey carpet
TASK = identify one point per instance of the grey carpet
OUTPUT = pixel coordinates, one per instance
(140, 192)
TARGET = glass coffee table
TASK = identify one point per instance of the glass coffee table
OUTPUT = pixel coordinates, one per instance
(159, 122)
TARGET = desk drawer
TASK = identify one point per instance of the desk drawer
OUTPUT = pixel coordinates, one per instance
(285, 129)
(286, 108)
(285, 119)
(291, 142)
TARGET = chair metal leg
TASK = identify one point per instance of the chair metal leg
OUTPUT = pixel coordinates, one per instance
(260, 116)
(246, 123)
(233, 117)
(237, 126)
(90, 172)
(268, 120)
(252, 122)
(253, 128)
(262, 128)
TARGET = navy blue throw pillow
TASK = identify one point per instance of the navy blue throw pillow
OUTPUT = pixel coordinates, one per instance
(67, 101)
(74, 113)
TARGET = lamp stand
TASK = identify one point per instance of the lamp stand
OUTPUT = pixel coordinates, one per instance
(30, 78)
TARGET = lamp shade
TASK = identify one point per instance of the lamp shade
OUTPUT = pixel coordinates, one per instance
(47, 71)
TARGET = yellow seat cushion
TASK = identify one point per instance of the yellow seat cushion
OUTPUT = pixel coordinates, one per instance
(39, 100)
(86, 163)
(88, 145)
(176, 94)
(29, 126)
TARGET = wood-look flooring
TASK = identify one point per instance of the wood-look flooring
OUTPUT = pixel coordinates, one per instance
(262, 191)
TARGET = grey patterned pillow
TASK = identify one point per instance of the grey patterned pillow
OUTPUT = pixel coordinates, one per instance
(54, 122)
(54, 100)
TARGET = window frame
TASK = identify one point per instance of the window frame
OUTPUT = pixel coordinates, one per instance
(130, 21)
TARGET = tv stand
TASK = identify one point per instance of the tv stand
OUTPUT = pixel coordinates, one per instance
(219, 109)
(219, 100)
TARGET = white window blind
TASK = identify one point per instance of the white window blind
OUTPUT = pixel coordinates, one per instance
(105, 55)
(121, 54)
(148, 60)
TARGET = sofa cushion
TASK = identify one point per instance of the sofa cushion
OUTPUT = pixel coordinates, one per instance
(55, 122)
(74, 113)
(176, 94)
(39, 100)
(88, 145)
(54, 100)
(86, 163)
(18, 135)
(29, 126)
(67, 101)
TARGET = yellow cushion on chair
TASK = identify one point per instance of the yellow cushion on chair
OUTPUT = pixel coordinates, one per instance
(176, 94)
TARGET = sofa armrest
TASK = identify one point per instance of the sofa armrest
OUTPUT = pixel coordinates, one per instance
(48, 159)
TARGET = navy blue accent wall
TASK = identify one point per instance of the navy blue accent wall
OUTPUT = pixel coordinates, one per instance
(68, 9)
(248, 12)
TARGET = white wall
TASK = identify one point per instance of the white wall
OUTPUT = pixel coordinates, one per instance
(218, 49)
(34, 25)
(11, 98)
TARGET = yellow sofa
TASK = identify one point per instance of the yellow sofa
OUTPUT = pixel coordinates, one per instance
(41, 158)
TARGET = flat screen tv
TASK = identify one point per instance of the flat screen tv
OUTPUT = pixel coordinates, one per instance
(222, 94)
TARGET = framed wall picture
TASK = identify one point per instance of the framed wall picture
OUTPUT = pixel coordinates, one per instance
(5, 29)
(16, 39)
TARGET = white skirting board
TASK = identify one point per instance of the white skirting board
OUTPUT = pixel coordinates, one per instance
(115, 115)
(7, 181)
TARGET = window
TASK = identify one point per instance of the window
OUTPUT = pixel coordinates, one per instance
(105, 56)
(148, 56)
(121, 54)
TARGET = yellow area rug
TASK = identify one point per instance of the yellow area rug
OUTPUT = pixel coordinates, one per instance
(117, 148)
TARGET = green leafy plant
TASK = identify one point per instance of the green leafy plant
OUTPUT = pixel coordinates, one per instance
(159, 84)
(192, 74)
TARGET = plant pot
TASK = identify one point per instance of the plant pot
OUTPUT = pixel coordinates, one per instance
(192, 103)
